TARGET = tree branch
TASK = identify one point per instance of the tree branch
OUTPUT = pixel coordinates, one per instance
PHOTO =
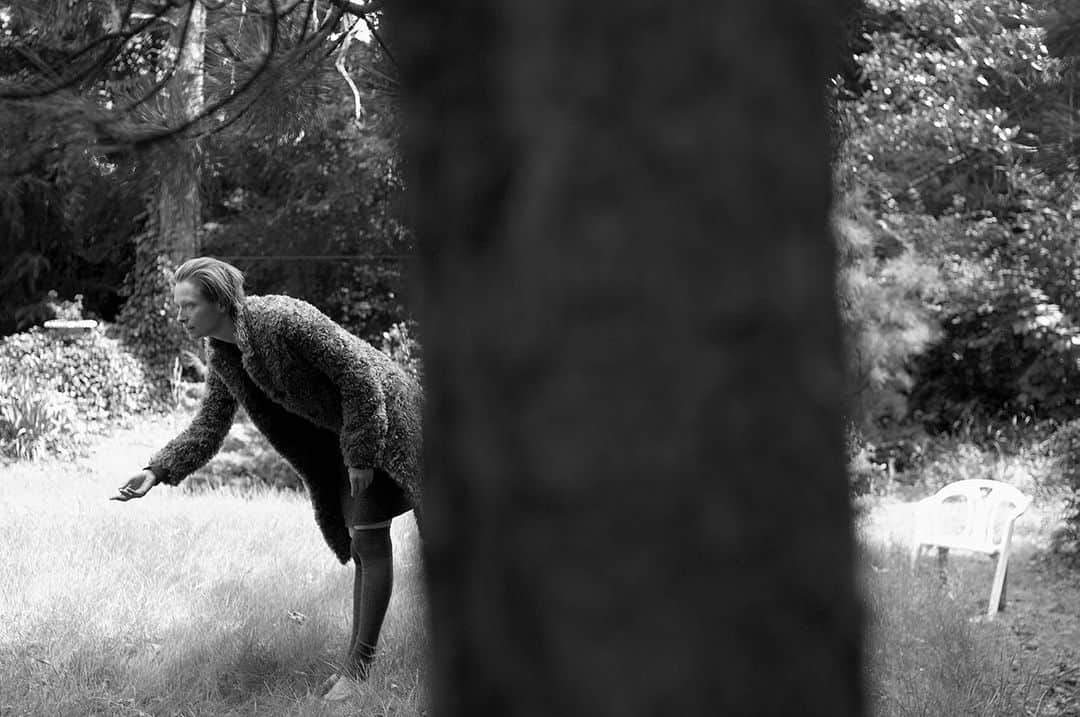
(358, 108)
(358, 9)
(170, 72)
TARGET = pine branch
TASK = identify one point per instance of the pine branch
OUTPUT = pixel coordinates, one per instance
(248, 86)
(62, 82)
(167, 77)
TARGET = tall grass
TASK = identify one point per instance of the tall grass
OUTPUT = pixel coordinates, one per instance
(215, 604)
(930, 655)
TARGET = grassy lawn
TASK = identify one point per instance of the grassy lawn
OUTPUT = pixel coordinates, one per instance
(180, 604)
(228, 603)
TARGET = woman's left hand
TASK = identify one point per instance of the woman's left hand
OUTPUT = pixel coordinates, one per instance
(360, 478)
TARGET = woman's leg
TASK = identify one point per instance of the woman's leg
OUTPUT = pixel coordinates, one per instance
(368, 516)
(373, 556)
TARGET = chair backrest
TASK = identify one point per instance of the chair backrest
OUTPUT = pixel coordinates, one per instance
(972, 514)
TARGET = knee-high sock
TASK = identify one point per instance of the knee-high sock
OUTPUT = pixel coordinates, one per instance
(373, 555)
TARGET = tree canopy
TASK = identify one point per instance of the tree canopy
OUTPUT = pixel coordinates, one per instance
(295, 117)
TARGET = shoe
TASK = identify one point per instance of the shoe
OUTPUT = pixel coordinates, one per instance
(326, 684)
(344, 688)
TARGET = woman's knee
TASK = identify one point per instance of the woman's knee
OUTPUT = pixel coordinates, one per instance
(371, 542)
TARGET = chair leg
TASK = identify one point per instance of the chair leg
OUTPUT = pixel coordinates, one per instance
(942, 563)
(997, 592)
(1004, 589)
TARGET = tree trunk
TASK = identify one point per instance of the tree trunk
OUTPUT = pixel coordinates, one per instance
(636, 497)
(178, 201)
(174, 217)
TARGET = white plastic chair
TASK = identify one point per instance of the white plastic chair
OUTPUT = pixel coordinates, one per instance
(975, 515)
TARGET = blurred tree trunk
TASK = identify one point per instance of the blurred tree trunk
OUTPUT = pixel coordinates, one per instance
(637, 501)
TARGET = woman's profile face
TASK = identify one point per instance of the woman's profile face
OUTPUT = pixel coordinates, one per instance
(200, 316)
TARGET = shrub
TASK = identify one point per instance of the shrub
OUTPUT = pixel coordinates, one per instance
(1064, 446)
(400, 343)
(864, 476)
(35, 420)
(1013, 354)
(102, 380)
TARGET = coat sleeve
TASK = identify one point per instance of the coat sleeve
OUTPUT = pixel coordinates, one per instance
(201, 440)
(343, 358)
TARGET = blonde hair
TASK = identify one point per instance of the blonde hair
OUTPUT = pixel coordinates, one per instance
(219, 281)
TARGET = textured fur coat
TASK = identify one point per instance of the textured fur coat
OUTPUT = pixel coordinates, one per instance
(325, 400)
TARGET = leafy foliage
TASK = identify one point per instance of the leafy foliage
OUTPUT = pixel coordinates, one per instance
(334, 191)
(887, 291)
(956, 149)
(67, 228)
(400, 343)
(1014, 354)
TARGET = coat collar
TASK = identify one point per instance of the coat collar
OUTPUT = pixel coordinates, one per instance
(241, 327)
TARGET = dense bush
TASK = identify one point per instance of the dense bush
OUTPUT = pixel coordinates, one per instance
(93, 370)
(1014, 354)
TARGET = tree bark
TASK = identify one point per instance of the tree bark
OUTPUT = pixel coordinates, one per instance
(178, 201)
(636, 496)
(174, 215)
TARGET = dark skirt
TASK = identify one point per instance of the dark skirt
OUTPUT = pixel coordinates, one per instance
(382, 500)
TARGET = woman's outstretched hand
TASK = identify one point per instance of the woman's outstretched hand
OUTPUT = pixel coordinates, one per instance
(137, 486)
(359, 479)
